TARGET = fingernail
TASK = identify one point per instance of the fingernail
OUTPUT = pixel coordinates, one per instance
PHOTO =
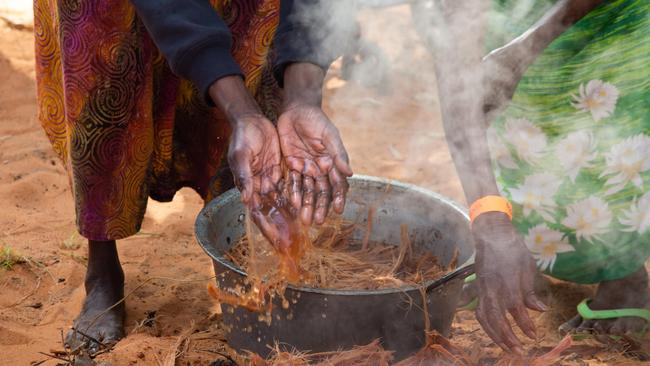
(541, 305)
(518, 350)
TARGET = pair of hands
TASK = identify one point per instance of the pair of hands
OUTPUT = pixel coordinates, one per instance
(305, 138)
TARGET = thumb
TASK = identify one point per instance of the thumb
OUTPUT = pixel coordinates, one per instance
(334, 146)
(242, 173)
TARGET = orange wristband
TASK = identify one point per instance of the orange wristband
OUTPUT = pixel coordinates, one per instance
(489, 204)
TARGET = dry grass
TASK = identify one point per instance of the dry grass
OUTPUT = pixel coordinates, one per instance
(9, 258)
(333, 260)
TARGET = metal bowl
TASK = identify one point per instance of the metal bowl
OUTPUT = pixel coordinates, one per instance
(320, 320)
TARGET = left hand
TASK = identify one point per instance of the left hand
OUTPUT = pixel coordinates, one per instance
(505, 273)
(317, 161)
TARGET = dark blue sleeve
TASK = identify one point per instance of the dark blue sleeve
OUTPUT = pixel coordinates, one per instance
(192, 37)
(314, 31)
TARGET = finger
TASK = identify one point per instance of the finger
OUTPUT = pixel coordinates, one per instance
(533, 302)
(323, 198)
(270, 179)
(269, 230)
(295, 163)
(522, 318)
(334, 146)
(490, 330)
(311, 169)
(282, 188)
(240, 165)
(295, 189)
(276, 173)
(266, 185)
(340, 188)
(324, 163)
(308, 198)
(496, 321)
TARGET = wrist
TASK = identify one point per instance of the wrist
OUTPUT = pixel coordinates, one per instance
(489, 220)
(233, 99)
(303, 85)
(493, 228)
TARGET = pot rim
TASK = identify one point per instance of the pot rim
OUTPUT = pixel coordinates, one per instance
(228, 196)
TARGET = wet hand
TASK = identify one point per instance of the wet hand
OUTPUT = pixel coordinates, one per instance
(254, 158)
(505, 276)
(317, 161)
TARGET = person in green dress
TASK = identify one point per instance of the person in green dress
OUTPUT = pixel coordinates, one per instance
(566, 121)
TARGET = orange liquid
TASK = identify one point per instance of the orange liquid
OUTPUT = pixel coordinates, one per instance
(289, 245)
(292, 239)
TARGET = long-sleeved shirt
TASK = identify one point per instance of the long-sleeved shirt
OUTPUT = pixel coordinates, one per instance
(196, 42)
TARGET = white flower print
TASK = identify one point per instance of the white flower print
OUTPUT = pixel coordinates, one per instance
(545, 244)
(598, 97)
(536, 194)
(528, 140)
(637, 217)
(499, 151)
(575, 152)
(589, 218)
(627, 160)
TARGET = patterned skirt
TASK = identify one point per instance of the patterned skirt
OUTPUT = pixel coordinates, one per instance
(127, 128)
(572, 151)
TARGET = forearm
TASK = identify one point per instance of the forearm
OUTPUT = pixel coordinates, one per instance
(233, 99)
(556, 21)
(303, 84)
(193, 38)
(312, 31)
(458, 53)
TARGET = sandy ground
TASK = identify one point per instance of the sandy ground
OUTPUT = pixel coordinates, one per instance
(395, 134)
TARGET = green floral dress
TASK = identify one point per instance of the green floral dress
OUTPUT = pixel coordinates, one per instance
(572, 151)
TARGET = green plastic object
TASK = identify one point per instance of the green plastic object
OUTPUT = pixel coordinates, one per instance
(586, 312)
(472, 305)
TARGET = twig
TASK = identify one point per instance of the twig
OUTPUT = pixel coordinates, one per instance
(55, 356)
(404, 247)
(180, 347)
(425, 309)
(100, 315)
(91, 338)
(38, 284)
(366, 235)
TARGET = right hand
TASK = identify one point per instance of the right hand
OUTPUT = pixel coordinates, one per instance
(505, 273)
(254, 151)
(254, 158)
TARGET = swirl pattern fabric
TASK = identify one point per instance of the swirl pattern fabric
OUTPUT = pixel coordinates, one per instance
(125, 127)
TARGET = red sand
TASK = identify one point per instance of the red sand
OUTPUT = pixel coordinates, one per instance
(397, 136)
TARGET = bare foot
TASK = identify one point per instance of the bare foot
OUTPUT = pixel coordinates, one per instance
(104, 288)
(629, 292)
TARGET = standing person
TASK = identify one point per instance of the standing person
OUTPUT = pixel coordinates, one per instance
(126, 94)
(571, 153)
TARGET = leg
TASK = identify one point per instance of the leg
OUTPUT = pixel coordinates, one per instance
(104, 287)
(629, 292)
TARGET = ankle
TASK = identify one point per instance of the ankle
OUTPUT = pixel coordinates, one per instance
(103, 265)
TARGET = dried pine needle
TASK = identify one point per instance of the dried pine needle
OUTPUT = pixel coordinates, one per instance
(335, 260)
